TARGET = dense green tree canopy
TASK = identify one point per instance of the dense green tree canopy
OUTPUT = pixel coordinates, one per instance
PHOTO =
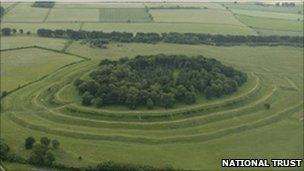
(158, 80)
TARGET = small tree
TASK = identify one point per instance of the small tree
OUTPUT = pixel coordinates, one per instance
(77, 82)
(37, 156)
(28, 32)
(14, 31)
(4, 150)
(45, 141)
(150, 103)
(29, 142)
(98, 102)
(6, 31)
(87, 99)
(55, 144)
(21, 31)
(49, 158)
(4, 93)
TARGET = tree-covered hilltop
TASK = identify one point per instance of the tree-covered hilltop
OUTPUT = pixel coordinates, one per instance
(158, 80)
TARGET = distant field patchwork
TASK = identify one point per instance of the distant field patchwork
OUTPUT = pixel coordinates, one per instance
(186, 5)
(98, 5)
(270, 8)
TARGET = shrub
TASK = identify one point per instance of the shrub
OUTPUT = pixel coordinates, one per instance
(45, 141)
(29, 142)
(55, 144)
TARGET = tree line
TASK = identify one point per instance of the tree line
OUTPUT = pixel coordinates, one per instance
(8, 31)
(158, 80)
(172, 37)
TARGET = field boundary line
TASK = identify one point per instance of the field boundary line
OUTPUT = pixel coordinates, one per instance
(44, 48)
(47, 15)
(235, 17)
(67, 44)
(9, 8)
(292, 84)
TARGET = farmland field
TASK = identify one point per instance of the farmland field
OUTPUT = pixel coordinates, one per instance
(123, 15)
(262, 119)
(24, 12)
(194, 15)
(274, 24)
(19, 67)
(73, 15)
(275, 15)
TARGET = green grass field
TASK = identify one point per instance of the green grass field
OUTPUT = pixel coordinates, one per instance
(273, 24)
(19, 67)
(73, 15)
(275, 15)
(194, 16)
(193, 137)
(25, 41)
(123, 15)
